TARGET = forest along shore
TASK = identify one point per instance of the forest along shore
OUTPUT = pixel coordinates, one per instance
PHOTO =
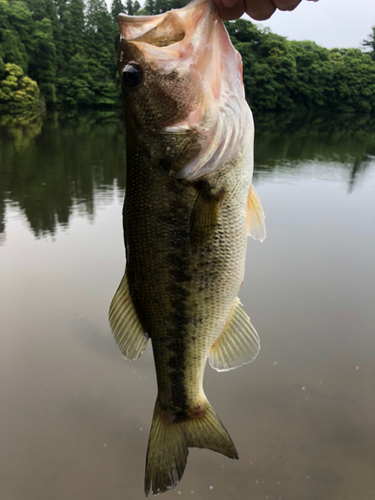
(59, 53)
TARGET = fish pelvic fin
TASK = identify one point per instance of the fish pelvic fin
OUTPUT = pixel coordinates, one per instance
(170, 438)
(125, 324)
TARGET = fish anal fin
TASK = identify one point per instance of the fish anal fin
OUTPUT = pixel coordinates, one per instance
(238, 344)
(256, 227)
(125, 324)
(205, 215)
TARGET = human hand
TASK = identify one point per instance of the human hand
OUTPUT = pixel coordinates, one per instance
(257, 9)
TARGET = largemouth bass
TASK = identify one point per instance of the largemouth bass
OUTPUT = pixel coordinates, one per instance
(189, 207)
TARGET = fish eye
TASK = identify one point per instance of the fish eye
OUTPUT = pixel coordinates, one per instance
(132, 75)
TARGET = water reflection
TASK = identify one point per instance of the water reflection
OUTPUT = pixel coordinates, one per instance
(75, 417)
(359, 169)
(22, 128)
(50, 166)
(344, 141)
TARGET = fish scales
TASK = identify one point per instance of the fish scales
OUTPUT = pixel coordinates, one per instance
(188, 210)
(182, 294)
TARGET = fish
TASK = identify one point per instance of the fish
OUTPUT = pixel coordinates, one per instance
(189, 208)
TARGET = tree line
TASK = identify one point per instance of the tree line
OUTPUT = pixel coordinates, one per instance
(63, 53)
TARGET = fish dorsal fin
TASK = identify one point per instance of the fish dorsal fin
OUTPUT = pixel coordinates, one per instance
(125, 324)
(256, 227)
(238, 344)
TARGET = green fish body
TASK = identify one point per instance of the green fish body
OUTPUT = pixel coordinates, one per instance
(189, 207)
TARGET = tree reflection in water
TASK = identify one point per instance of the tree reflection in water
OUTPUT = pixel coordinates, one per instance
(51, 164)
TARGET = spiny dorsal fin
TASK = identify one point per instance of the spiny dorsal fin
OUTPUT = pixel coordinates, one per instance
(126, 327)
(256, 227)
(238, 344)
(205, 215)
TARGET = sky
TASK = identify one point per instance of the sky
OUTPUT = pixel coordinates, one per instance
(330, 23)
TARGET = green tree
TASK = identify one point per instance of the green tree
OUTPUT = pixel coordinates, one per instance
(13, 49)
(314, 76)
(4, 23)
(369, 43)
(281, 75)
(51, 14)
(37, 9)
(17, 92)
(2, 64)
(269, 68)
(69, 29)
(354, 81)
(69, 48)
(116, 7)
(12, 46)
(42, 65)
(153, 7)
(100, 33)
(132, 8)
(76, 27)
(21, 21)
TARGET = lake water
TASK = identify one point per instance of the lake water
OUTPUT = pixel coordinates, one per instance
(75, 417)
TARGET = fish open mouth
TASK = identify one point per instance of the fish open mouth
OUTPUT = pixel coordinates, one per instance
(193, 41)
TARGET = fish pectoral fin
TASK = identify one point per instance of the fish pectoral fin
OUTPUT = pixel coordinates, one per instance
(125, 324)
(256, 227)
(205, 215)
(238, 344)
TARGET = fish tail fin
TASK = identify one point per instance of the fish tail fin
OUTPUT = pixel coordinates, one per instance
(170, 438)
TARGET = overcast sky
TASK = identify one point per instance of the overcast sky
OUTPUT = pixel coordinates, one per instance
(330, 23)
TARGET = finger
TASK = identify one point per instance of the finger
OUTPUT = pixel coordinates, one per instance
(260, 10)
(286, 4)
(230, 3)
(230, 9)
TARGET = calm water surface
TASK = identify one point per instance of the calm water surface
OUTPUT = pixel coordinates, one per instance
(75, 417)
